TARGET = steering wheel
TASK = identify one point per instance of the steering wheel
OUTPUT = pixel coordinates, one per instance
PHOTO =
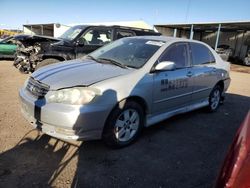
(83, 41)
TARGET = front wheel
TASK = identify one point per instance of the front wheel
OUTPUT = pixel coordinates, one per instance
(123, 125)
(215, 98)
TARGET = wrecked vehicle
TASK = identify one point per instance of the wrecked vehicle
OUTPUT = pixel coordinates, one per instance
(225, 51)
(36, 51)
(28, 48)
(247, 59)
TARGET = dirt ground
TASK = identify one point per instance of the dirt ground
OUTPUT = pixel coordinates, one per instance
(240, 68)
(184, 151)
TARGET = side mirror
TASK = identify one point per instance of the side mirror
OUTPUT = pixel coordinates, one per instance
(165, 65)
(80, 43)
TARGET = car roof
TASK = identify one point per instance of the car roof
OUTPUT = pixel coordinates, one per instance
(167, 39)
(116, 26)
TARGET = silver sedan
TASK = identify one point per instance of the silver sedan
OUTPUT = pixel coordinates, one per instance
(114, 92)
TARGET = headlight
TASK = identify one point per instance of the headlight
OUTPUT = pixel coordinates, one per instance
(75, 96)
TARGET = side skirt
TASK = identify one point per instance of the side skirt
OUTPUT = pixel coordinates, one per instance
(152, 119)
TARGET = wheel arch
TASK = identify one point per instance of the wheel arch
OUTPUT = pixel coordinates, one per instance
(221, 84)
(121, 103)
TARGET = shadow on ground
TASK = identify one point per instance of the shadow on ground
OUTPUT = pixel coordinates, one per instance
(36, 161)
(183, 151)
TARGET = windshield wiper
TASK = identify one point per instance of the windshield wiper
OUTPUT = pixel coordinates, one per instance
(92, 58)
(131, 66)
(113, 62)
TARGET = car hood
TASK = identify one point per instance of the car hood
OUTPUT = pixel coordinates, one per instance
(32, 39)
(77, 73)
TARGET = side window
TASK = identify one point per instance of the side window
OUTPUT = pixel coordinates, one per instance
(177, 53)
(96, 37)
(201, 54)
(124, 33)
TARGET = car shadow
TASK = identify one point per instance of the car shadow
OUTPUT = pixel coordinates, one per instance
(184, 151)
(36, 161)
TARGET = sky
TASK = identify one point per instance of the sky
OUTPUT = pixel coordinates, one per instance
(15, 13)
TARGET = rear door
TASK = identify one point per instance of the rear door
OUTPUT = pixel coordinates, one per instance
(204, 71)
(173, 89)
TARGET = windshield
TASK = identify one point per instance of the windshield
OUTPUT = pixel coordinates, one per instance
(129, 52)
(72, 33)
(6, 40)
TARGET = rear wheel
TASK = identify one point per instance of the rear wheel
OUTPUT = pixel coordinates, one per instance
(45, 62)
(215, 98)
(123, 125)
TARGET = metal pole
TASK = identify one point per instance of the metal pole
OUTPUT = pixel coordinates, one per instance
(175, 32)
(191, 32)
(42, 29)
(236, 42)
(242, 41)
(217, 37)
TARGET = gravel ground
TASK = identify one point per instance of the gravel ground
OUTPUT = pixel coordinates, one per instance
(183, 151)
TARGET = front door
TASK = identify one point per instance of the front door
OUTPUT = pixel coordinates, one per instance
(173, 89)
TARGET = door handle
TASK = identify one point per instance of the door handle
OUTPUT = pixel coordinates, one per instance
(189, 74)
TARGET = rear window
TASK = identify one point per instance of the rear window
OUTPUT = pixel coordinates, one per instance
(201, 54)
(123, 33)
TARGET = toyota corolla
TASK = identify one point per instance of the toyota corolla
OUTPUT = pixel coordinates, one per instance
(115, 91)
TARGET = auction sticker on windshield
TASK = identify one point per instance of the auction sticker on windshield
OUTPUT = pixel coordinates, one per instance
(156, 43)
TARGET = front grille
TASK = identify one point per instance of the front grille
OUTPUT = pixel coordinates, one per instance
(37, 88)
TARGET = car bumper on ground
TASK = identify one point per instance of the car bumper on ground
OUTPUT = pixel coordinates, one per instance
(69, 122)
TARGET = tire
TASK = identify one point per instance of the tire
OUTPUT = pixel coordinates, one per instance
(123, 125)
(45, 62)
(215, 98)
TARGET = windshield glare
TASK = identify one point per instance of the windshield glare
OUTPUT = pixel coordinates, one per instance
(131, 52)
(71, 33)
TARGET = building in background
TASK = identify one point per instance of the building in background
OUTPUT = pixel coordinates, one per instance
(50, 29)
(137, 24)
(57, 29)
(235, 35)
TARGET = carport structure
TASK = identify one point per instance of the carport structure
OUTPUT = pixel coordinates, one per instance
(234, 34)
(50, 29)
